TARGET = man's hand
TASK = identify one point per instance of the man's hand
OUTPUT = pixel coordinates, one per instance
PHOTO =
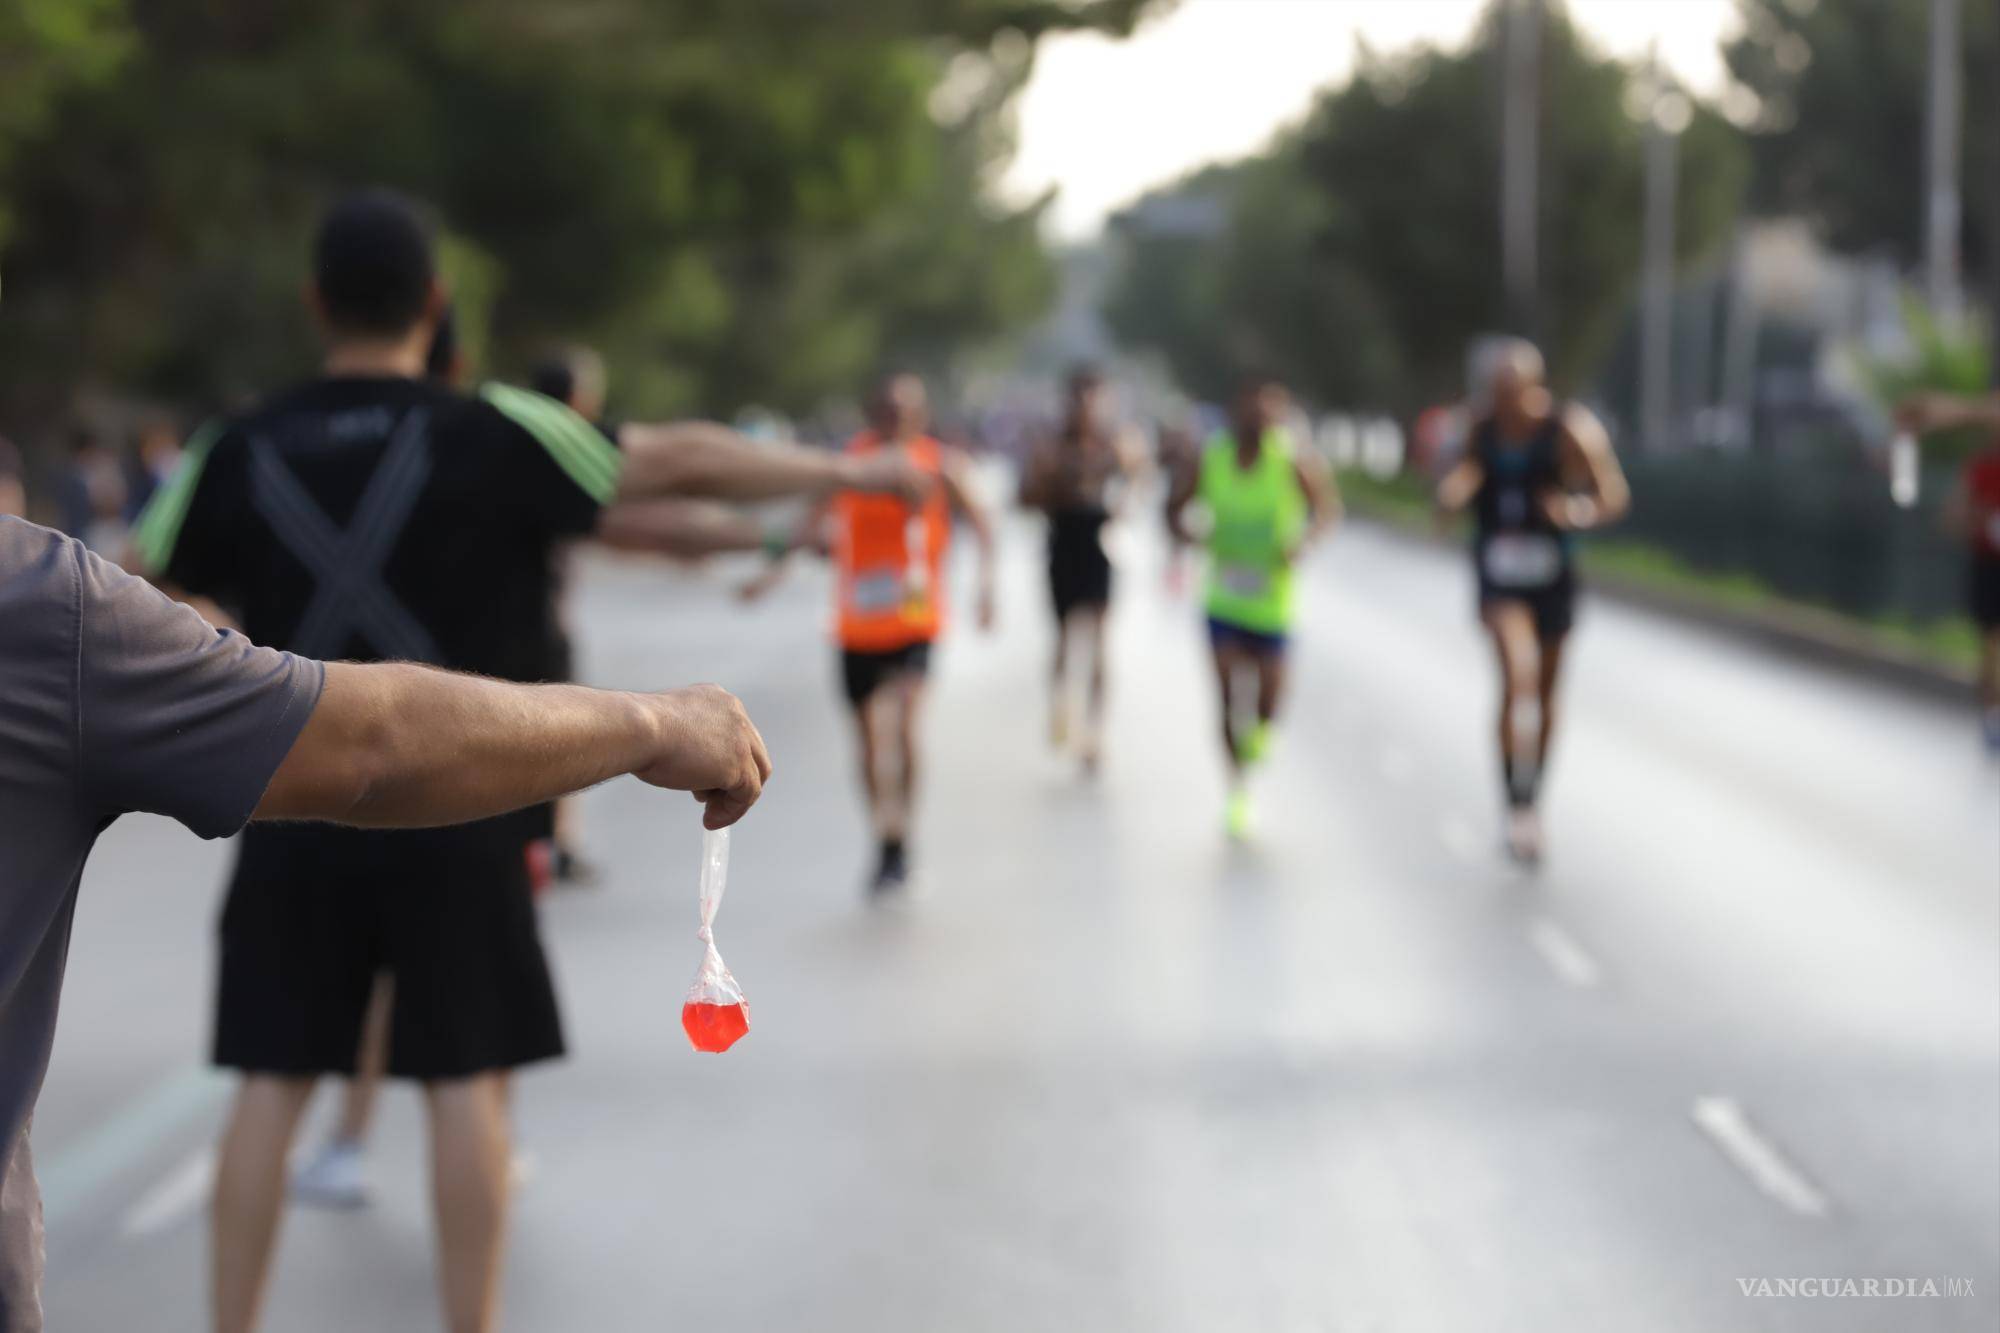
(1923, 412)
(392, 745)
(708, 746)
(886, 471)
(1568, 512)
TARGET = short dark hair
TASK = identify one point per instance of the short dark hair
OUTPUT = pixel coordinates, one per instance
(441, 360)
(554, 377)
(1085, 375)
(373, 263)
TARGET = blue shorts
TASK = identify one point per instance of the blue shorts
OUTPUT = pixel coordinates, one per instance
(1222, 634)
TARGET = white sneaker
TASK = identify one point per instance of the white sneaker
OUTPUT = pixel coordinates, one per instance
(1524, 836)
(336, 1178)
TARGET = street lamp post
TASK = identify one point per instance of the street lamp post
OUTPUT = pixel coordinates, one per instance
(1667, 114)
(1520, 120)
(1942, 208)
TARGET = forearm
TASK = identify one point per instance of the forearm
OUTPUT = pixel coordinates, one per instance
(399, 746)
(1458, 487)
(1327, 509)
(703, 460)
(681, 527)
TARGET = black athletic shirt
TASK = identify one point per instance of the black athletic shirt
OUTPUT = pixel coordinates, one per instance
(1515, 478)
(386, 518)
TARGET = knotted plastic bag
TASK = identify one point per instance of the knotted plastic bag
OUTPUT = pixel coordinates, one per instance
(715, 1014)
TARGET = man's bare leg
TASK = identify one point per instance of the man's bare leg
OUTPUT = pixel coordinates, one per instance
(250, 1194)
(1551, 676)
(336, 1176)
(1059, 683)
(872, 786)
(1225, 692)
(371, 1061)
(1518, 649)
(1091, 626)
(908, 691)
(470, 1156)
(1271, 677)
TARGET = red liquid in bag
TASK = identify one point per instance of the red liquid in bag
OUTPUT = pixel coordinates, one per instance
(715, 1027)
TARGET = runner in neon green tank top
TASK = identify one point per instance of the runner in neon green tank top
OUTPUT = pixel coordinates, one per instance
(1265, 500)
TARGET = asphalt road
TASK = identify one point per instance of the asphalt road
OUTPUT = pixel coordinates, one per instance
(1113, 1073)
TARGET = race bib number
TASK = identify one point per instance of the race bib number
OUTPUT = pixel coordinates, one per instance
(1244, 580)
(1522, 560)
(876, 591)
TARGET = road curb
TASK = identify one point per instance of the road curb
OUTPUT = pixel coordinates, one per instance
(1799, 632)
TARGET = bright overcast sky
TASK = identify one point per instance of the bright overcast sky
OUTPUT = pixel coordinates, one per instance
(1105, 120)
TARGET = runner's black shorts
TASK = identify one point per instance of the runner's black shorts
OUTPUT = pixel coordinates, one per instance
(313, 914)
(1554, 607)
(861, 674)
(1983, 588)
(1079, 571)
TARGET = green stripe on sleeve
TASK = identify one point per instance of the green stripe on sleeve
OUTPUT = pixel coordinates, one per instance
(158, 529)
(578, 447)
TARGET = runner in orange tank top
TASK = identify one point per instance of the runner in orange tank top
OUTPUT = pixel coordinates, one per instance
(889, 603)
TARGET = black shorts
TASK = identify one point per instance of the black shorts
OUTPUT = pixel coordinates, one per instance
(1223, 636)
(861, 674)
(1553, 607)
(1983, 590)
(1079, 571)
(313, 914)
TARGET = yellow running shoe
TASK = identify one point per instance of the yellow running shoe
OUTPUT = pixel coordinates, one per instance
(1236, 815)
(1255, 744)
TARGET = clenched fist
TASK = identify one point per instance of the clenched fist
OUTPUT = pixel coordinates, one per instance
(707, 745)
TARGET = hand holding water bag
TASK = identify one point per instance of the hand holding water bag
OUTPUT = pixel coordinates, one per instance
(715, 1014)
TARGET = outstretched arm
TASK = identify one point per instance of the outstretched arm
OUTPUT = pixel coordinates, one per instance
(1599, 494)
(1925, 412)
(397, 746)
(1037, 475)
(1322, 494)
(703, 460)
(687, 528)
(1179, 496)
(1457, 487)
(956, 473)
(808, 532)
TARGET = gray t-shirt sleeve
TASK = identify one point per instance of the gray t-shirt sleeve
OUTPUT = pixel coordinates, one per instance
(174, 716)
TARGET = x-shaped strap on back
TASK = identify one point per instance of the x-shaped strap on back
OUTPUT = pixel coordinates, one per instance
(349, 596)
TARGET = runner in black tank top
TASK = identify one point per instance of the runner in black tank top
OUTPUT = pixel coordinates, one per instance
(1535, 472)
(1518, 551)
(1072, 476)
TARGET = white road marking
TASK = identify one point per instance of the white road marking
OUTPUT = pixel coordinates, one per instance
(128, 1135)
(180, 1192)
(1757, 1157)
(1565, 957)
(1397, 764)
(1459, 839)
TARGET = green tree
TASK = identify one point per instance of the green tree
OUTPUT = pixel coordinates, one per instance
(739, 201)
(1361, 253)
(1838, 131)
(46, 47)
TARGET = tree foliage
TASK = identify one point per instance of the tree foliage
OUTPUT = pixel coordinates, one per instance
(1361, 252)
(1838, 129)
(739, 201)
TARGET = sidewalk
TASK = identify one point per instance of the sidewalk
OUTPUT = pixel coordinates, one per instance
(1803, 632)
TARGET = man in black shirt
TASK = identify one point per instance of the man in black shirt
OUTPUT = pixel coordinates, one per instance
(374, 514)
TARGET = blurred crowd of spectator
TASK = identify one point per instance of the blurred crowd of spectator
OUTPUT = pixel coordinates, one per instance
(101, 486)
